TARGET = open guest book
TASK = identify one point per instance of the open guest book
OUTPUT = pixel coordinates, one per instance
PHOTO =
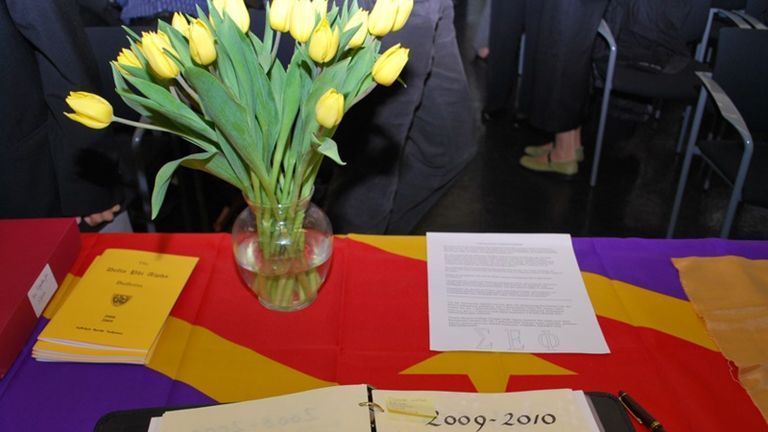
(117, 310)
(358, 408)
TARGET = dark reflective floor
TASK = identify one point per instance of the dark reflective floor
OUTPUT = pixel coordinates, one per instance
(633, 196)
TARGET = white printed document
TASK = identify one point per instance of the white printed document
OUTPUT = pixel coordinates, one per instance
(508, 293)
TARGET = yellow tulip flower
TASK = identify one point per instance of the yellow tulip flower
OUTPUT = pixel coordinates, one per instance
(89, 109)
(404, 8)
(154, 46)
(236, 10)
(321, 7)
(201, 46)
(382, 17)
(127, 57)
(180, 23)
(330, 109)
(324, 42)
(389, 65)
(302, 20)
(280, 15)
(359, 18)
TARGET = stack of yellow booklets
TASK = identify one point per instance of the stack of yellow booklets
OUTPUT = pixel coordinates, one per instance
(116, 312)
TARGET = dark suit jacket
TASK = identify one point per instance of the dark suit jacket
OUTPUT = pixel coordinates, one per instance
(49, 165)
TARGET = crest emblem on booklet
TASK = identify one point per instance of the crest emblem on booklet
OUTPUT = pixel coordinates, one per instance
(120, 299)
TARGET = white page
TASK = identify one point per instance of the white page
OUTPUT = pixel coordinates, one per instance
(508, 293)
(560, 410)
(154, 424)
(329, 409)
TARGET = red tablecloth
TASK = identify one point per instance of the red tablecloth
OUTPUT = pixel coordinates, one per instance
(369, 325)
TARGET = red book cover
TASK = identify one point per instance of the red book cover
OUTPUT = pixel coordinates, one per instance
(36, 255)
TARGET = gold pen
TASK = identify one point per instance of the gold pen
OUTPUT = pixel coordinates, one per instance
(639, 413)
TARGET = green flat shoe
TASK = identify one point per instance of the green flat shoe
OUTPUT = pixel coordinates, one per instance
(541, 150)
(563, 168)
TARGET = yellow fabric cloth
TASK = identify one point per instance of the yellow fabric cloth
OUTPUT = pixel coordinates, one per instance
(731, 295)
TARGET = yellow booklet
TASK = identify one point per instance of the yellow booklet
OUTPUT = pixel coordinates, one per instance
(117, 310)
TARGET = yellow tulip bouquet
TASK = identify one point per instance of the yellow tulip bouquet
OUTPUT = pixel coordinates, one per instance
(261, 126)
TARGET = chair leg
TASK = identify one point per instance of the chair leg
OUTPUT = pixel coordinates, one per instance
(607, 88)
(738, 187)
(683, 129)
(687, 163)
(680, 191)
(600, 136)
(730, 214)
(520, 68)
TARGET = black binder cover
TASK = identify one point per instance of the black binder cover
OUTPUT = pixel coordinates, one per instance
(609, 410)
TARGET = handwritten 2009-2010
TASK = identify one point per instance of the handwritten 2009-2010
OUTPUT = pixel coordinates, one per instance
(509, 419)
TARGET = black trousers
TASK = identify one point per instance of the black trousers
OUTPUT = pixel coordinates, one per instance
(558, 61)
(506, 28)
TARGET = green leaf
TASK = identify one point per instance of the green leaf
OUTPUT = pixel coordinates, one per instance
(265, 53)
(290, 98)
(216, 165)
(131, 34)
(332, 14)
(258, 45)
(277, 80)
(172, 107)
(329, 148)
(163, 179)
(344, 41)
(232, 42)
(230, 117)
(330, 77)
(122, 88)
(227, 71)
(233, 159)
(178, 41)
(358, 71)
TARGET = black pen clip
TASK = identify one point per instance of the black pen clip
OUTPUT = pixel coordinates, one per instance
(626, 407)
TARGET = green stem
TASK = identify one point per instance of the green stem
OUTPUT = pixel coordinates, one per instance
(189, 90)
(277, 157)
(139, 124)
(275, 46)
(362, 95)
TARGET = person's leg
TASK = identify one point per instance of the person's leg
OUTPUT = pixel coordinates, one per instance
(441, 140)
(542, 150)
(482, 35)
(506, 27)
(563, 157)
(557, 93)
(566, 144)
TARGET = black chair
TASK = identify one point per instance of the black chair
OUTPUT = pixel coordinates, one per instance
(739, 87)
(628, 80)
(757, 9)
(725, 13)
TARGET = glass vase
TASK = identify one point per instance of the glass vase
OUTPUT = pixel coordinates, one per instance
(283, 252)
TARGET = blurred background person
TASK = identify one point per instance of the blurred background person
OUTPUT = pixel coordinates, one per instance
(405, 145)
(560, 36)
(49, 165)
(147, 12)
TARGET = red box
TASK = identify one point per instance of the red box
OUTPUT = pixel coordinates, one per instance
(35, 256)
